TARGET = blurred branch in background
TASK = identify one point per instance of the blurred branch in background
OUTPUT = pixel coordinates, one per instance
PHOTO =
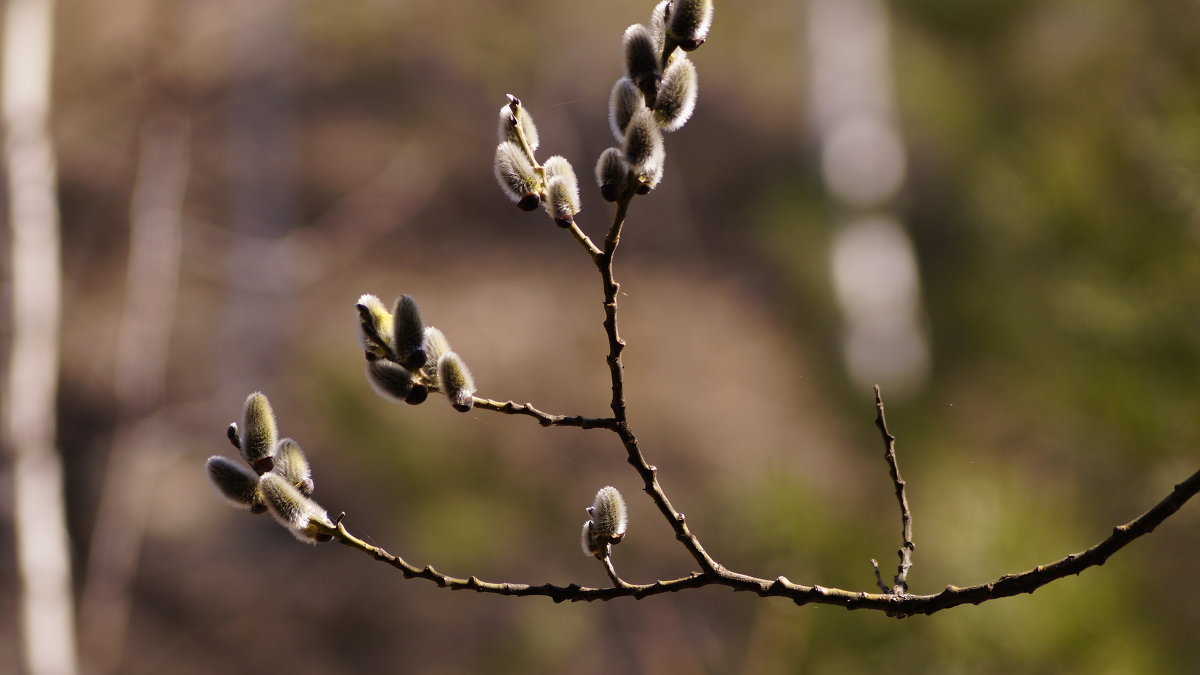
(142, 442)
(47, 606)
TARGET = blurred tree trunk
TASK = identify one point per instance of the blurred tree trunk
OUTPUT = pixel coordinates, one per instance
(142, 440)
(47, 608)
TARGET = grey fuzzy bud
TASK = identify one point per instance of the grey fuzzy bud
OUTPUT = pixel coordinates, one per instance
(562, 191)
(515, 174)
(509, 122)
(608, 516)
(641, 57)
(303, 517)
(588, 543)
(643, 144)
(291, 463)
(611, 173)
(436, 344)
(375, 326)
(455, 380)
(623, 102)
(409, 337)
(658, 23)
(237, 484)
(688, 22)
(259, 433)
(389, 379)
(677, 95)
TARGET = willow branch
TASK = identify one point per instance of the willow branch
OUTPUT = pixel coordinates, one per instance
(544, 418)
(900, 584)
(898, 606)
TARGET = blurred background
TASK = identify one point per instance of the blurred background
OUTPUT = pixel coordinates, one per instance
(991, 209)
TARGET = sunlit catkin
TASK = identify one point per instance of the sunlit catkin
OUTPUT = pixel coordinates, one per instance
(259, 433)
(436, 344)
(688, 22)
(510, 122)
(624, 100)
(302, 516)
(588, 543)
(562, 191)
(516, 176)
(643, 143)
(409, 337)
(389, 379)
(456, 382)
(375, 327)
(608, 516)
(677, 95)
(237, 484)
(641, 57)
(611, 173)
(291, 463)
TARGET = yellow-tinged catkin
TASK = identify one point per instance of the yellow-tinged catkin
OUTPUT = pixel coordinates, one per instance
(516, 176)
(623, 102)
(389, 379)
(375, 327)
(436, 344)
(237, 484)
(611, 173)
(409, 336)
(259, 433)
(456, 381)
(688, 22)
(291, 463)
(302, 516)
(677, 95)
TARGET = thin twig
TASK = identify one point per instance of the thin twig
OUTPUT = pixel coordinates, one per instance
(900, 585)
(544, 418)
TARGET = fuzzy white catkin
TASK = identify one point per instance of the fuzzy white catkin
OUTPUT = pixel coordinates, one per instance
(587, 541)
(508, 126)
(436, 344)
(677, 95)
(643, 143)
(562, 190)
(641, 55)
(237, 484)
(689, 22)
(259, 432)
(516, 177)
(608, 515)
(292, 509)
(623, 102)
(373, 312)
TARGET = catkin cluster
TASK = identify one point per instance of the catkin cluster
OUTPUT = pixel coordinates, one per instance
(281, 480)
(656, 95)
(407, 359)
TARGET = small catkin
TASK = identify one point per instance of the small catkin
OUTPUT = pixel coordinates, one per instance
(608, 516)
(562, 191)
(389, 379)
(611, 173)
(237, 484)
(677, 95)
(643, 144)
(375, 327)
(409, 333)
(291, 463)
(456, 381)
(259, 433)
(641, 57)
(509, 123)
(688, 22)
(516, 176)
(588, 543)
(299, 514)
(658, 23)
(436, 344)
(623, 102)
